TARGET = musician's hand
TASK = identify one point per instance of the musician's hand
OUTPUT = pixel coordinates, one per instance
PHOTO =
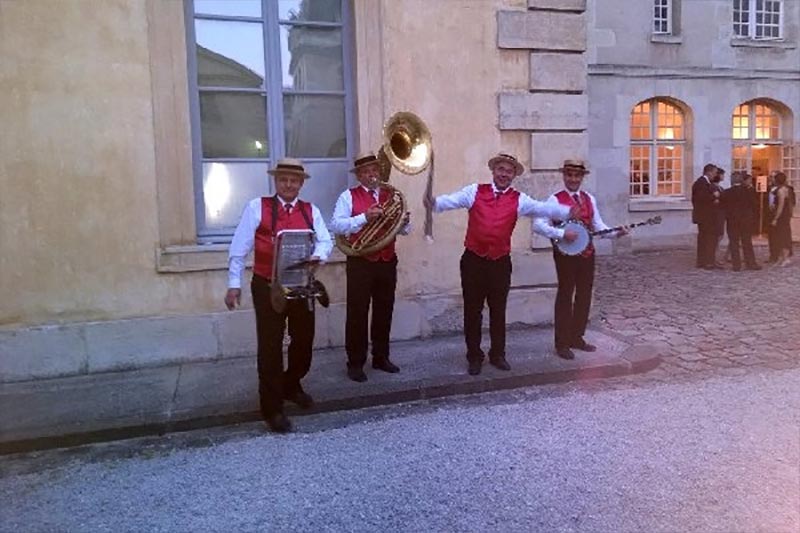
(570, 235)
(574, 211)
(374, 211)
(624, 230)
(313, 263)
(233, 299)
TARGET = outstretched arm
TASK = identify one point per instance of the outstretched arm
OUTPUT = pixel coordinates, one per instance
(462, 199)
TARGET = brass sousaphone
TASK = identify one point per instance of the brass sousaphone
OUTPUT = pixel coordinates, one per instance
(407, 146)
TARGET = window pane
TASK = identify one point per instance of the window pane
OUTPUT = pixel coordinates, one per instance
(640, 122)
(233, 124)
(316, 10)
(241, 8)
(311, 58)
(314, 126)
(229, 54)
(640, 170)
(227, 187)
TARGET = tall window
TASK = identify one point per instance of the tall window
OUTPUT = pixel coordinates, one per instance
(756, 137)
(662, 17)
(757, 19)
(271, 79)
(658, 139)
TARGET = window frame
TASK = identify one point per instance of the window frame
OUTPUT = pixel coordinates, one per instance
(653, 143)
(746, 144)
(752, 23)
(658, 5)
(274, 93)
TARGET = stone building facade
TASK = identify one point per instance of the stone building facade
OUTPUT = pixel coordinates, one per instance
(115, 159)
(675, 84)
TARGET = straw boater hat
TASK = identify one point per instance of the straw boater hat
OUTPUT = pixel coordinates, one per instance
(574, 164)
(364, 160)
(289, 166)
(506, 158)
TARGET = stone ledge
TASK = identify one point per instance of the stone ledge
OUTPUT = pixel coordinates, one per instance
(52, 352)
(77, 410)
(661, 38)
(558, 5)
(753, 43)
(668, 204)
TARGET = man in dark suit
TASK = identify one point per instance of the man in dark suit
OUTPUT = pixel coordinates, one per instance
(739, 204)
(704, 196)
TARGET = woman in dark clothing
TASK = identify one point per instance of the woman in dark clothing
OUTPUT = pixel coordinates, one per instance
(781, 221)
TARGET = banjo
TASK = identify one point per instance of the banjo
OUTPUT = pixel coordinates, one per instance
(584, 239)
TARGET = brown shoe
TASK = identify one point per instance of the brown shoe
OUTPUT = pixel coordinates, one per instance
(278, 423)
(565, 353)
(584, 346)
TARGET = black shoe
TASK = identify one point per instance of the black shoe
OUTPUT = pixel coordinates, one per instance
(565, 353)
(753, 267)
(499, 363)
(383, 363)
(301, 398)
(279, 423)
(475, 367)
(584, 346)
(357, 374)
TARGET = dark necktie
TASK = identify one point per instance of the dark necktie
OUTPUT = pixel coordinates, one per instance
(576, 198)
(288, 208)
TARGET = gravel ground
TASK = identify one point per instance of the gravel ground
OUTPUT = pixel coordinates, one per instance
(708, 455)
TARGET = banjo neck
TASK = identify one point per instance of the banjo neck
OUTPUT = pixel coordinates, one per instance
(649, 221)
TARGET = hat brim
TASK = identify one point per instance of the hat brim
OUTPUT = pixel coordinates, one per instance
(580, 169)
(276, 171)
(518, 168)
(364, 165)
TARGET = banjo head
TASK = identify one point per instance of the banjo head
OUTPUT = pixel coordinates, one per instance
(580, 244)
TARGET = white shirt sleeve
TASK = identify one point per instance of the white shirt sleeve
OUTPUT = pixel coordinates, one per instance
(549, 209)
(342, 223)
(462, 199)
(323, 244)
(242, 243)
(543, 225)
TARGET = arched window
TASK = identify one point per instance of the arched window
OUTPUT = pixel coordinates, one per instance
(658, 139)
(756, 137)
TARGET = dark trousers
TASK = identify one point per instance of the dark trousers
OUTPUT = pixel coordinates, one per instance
(369, 282)
(485, 280)
(773, 248)
(574, 297)
(273, 383)
(740, 237)
(706, 244)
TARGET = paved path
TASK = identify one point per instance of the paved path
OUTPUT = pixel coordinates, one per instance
(707, 321)
(712, 455)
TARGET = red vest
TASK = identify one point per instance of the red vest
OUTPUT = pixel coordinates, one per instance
(362, 200)
(265, 233)
(586, 214)
(491, 221)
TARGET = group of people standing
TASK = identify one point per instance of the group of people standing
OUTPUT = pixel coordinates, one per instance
(485, 266)
(735, 210)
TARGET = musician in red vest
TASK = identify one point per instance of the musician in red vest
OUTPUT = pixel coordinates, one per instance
(371, 278)
(575, 273)
(261, 221)
(486, 262)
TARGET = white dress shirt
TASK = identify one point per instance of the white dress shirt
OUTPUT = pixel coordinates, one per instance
(544, 225)
(344, 223)
(527, 205)
(245, 235)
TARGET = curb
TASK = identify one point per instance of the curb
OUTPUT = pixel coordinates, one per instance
(634, 359)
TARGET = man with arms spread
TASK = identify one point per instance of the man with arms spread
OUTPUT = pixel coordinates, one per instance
(486, 262)
(575, 272)
(261, 221)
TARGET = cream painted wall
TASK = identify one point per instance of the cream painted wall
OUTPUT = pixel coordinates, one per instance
(453, 85)
(79, 206)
